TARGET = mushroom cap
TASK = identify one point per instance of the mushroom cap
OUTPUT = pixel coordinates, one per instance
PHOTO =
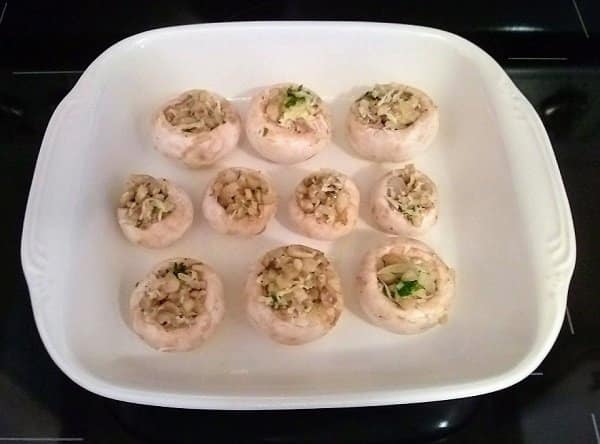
(290, 331)
(196, 150)
(279, 144)
(308, 224)
(385, 313)
(394, 222)
(184, 338)
(224, 223)
(163, 233)
(395, 145)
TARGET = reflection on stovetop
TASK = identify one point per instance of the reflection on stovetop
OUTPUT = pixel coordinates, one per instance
(558, 403)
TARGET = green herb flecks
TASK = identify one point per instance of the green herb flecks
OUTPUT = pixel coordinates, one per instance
(400, 290)
(179, 267)
(278, 302)
(294, 96)
(407, 288)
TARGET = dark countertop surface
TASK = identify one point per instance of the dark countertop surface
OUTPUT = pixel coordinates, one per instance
(551, 51)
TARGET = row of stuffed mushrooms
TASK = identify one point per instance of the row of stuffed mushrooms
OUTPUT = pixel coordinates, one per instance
(293, 295)
(155, 212)
(289, 123)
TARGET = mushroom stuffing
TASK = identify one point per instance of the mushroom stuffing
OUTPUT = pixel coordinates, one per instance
(239, 201)
(293, 295)
(288, 123)
(325, 205)
(392, 122)
(178, 305)
(197, 128)
(154, 212)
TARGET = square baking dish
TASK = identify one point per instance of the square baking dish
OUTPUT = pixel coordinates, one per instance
(504, 226)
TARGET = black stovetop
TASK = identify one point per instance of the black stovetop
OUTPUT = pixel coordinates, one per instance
(552, 53)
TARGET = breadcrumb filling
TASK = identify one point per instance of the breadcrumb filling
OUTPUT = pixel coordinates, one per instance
(243, 194)
(388, 106)
(297, 280)
(146, 200)
(294, 108)
(324, 195)
(199, 111)
(410, 193)
(402, 278)
(176, 297)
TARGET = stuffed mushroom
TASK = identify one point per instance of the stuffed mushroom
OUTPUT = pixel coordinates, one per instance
(404, 287)
(178, 305)
(239, 201)
(294, 295)
(197, 127)
(405, 201)
(325, 205)
(154, 212)
(392, 122)
(288, 123)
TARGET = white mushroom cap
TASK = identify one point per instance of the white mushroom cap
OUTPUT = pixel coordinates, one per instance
(183, 338)
(395, 145)
(393, 221)
(414, 316)
(197, 149)
(292, 330)
(166, 231)
(225, 223)
(280, 144)
(309, 224)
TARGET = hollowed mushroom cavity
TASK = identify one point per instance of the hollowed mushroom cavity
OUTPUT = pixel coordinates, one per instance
(153, 212)
(197, 111)
(178, 305)
(392, 122)
(405, 201)
(288, 123)
(197, 127)
(390, 106)
(240, 201)
(325, 205)
(176, 298)
(146, 200)
(294, 294)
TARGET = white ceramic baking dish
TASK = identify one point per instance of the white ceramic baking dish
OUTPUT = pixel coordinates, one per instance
(504, 226)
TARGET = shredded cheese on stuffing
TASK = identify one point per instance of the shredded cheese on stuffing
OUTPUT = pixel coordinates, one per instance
(401, 278)
(297, 280)
(243, 194)
(197, 112)
(388, 106)
(323, 195)
(176, 296)
(146, 200)
(294, 108)
(409, 193)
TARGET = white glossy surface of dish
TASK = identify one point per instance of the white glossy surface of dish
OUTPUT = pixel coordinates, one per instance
(504, 222)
